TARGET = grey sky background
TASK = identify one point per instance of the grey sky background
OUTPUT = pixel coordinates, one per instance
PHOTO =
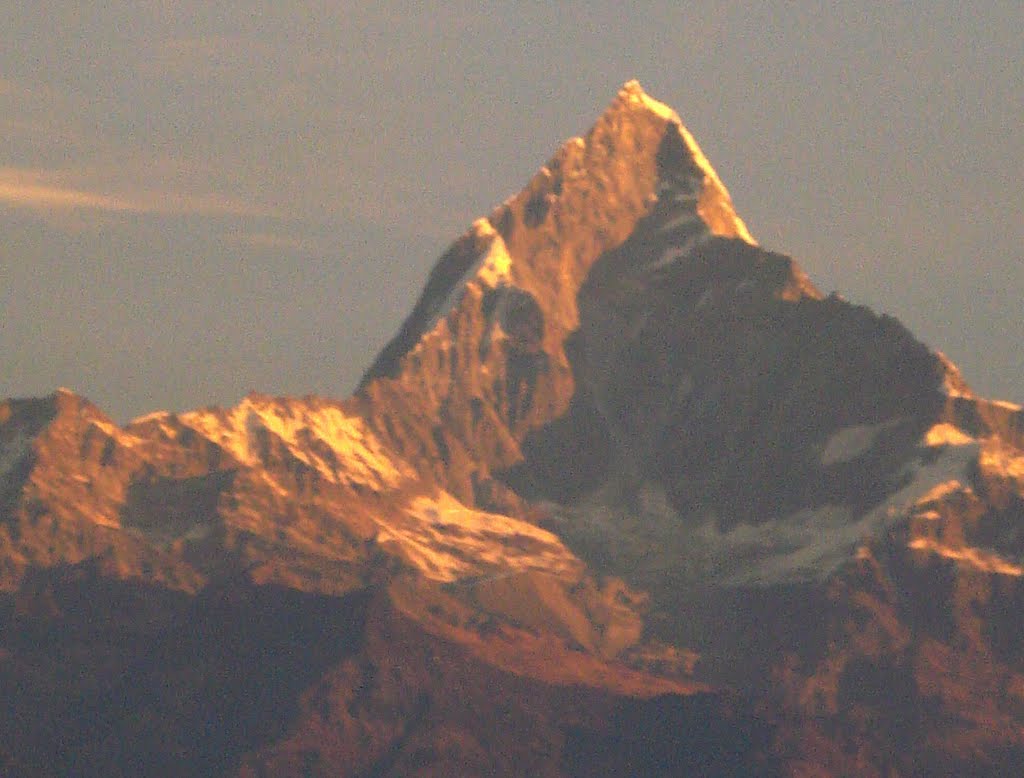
(202, 199)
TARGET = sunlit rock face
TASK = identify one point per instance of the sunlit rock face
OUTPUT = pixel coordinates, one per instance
(625, 495)
(483, 358)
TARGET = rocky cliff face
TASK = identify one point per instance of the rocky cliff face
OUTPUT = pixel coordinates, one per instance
(626, 494)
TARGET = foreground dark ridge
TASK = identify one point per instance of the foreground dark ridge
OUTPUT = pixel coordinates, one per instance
(626, 494)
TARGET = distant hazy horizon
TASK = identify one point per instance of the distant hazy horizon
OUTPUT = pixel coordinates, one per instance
(201, 201)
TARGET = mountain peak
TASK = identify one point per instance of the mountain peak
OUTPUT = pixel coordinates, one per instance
(637, 164)
(617, 453)
(632, 93)
(678, 155)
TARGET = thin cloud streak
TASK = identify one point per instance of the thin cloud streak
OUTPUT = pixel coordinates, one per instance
(42, 190)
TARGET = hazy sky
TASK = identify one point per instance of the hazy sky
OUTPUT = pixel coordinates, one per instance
(202, 199)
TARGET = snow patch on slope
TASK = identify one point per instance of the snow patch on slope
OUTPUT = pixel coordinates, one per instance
(953, 384)
(164, 421)
(339, 446)
(827, 537)
(1005, 404)
(947, 435)
(976, 558)
(120, 436)
(644, 538)
(851, 442)
(935, 540)
(492, 269)
(998, 459)
(448, 541)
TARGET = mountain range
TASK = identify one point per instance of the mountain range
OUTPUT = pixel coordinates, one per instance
(626, 494)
